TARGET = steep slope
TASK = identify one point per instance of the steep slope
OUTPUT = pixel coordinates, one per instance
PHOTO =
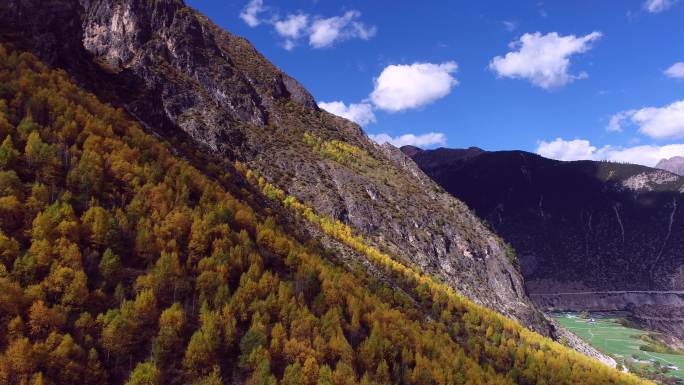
(589, 235)
(674, 165)
(177, 72)
(123, 260)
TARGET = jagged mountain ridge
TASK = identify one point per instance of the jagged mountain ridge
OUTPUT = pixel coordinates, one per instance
(589, 235)
(674, 165)
(173, 69)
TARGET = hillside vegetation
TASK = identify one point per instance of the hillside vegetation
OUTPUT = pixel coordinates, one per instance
(206, 89)
(124, 263)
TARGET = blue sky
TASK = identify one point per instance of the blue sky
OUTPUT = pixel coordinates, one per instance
(601, 76)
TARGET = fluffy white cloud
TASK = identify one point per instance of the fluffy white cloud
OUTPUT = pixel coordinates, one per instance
(544, 60)
(250, 14)
(656, 122)
(676, 71)
(648, 155)
(655, 6)
(398, 88)
(617, 120)
(425, 140)
(361, 113)
(401, 87)
(321, 32)
(566, 149)
(579, 149)
(292, 28)
(325, 32)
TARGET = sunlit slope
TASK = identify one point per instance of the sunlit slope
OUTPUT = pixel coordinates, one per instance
(124, 262)
(183, 76)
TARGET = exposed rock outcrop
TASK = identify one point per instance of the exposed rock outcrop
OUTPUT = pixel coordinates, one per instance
(668, 318)
(673, 165)
(609, 300)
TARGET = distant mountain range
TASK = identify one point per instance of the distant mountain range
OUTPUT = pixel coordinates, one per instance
(588, 235)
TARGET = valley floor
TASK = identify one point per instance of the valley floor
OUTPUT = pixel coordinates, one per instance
(608, 335)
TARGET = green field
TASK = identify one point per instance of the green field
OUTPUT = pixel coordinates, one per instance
(607, 335)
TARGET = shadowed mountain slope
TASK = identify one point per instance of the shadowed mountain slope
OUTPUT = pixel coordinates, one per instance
(589, 235)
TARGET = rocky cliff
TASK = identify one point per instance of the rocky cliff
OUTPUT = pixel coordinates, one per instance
(173, 68)
(674, 165)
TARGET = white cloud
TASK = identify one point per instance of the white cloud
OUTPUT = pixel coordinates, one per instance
(398, 88)
(676, 71)
(321, 32)
(544, 60)
(289, 44)
(425, 140)
(579, 149)
(361, 113)
(655, 122)
(510, 26)
(617, 120)
(250, 14)
(401, 87)
(647, 155)
(655, 6)
(566, 149)
(325, 32)
(291, 28)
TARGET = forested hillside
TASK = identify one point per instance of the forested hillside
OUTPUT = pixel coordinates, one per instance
(124, 263)
(175, 71)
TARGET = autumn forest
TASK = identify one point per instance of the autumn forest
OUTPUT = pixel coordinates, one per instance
(125, 261)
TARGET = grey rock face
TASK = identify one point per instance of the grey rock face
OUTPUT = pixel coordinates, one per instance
(674, 165)
(609, 300)
(174, 69)
(191, 65)
(664, 317)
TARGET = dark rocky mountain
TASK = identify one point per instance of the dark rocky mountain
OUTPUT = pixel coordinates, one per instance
(175, 70)
(588, 235)
(674, 165)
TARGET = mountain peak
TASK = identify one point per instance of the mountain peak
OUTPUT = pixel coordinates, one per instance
(172, 64)
(451, 155)
(410, 151)
(674, 165)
